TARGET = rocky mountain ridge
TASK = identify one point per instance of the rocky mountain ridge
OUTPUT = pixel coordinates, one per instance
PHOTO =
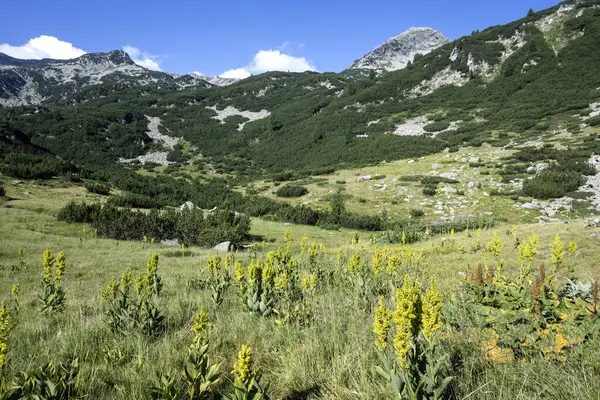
(396, 52)
(24, 82)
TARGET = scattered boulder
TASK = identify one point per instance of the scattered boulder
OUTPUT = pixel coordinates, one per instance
(17, 183)
(437, 166)
(365, 178)
(187, 206)
(228, 246)
(169, 242)
(474, 160)
(592, 223)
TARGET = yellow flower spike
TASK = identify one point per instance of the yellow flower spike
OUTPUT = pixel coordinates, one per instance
(495, 245)
(110, 292)
(239, 271)
(303, 244)
(243, 366)
(288, 238)
(528, 249)
(382, 324)
(340, 256)
(228, 261)
(140, 284)
(20, 252)
(254, 272)
(557, 250)
(573, 248)
(126, 282)
(201, 325)
(431, 310)
(268, 273)
(282, 282)
(5, 329)
(15, 290)
(393, 264)
(406, 317)
(354, 264)
(48, 264)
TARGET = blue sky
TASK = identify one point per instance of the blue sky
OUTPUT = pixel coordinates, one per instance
(214, 37)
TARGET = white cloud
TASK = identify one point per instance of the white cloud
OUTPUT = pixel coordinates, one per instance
(270, 60)
(52, 47)
(141, 58)
(238, 73)
(42, 47)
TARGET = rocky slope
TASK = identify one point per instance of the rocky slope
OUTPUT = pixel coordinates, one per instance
(396, 52)
(215, 80)
(24, 82)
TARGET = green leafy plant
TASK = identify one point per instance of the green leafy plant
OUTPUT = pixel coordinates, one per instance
(53, 297)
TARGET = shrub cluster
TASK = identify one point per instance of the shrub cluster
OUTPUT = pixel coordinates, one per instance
(291, 191)
(552, 184)
(97, 188)
(189, 227)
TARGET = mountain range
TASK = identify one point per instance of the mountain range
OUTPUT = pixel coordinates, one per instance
(515, 84)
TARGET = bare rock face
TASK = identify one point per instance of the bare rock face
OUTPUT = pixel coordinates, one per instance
(25, 82)
(397, 52)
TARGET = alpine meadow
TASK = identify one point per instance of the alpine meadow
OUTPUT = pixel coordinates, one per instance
(424, 224)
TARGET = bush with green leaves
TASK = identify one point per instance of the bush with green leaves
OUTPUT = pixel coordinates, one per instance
(436, 127)
(291, 191)
(552, 184)
(97, 188)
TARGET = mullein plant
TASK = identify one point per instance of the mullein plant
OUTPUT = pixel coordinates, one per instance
(201, 374)
(219, 277)
(246, 378)
(410, 362)
(129, 312)
(5, 330)
(53, 297)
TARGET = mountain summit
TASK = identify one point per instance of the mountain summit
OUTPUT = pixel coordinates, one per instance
(396, 52)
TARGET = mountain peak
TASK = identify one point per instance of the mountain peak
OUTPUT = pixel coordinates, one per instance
(396, 52)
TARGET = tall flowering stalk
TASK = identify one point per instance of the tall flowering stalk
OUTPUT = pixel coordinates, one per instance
(5, 329)
(406, 317)
(53, 297)
(431, 310)
(246, 382)
(415, 371)
(382, 324)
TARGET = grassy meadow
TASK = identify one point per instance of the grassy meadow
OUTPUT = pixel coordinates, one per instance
(327, 351)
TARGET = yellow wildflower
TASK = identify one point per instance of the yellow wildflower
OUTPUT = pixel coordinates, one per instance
(282, 281)
(304, 243)
(268, 273)
(495, 245)
(572, 248)
(48, 264)
(381, 324)
(254, 272)
(60, 267)
(354, 264)
(406, 317)
(288, 238)
(431, 309)
(529, 248)
(243, 366)
(557, 250)
(15, 290)
(5, 328)
(201, 325)
(560, 343)
(239, 271)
